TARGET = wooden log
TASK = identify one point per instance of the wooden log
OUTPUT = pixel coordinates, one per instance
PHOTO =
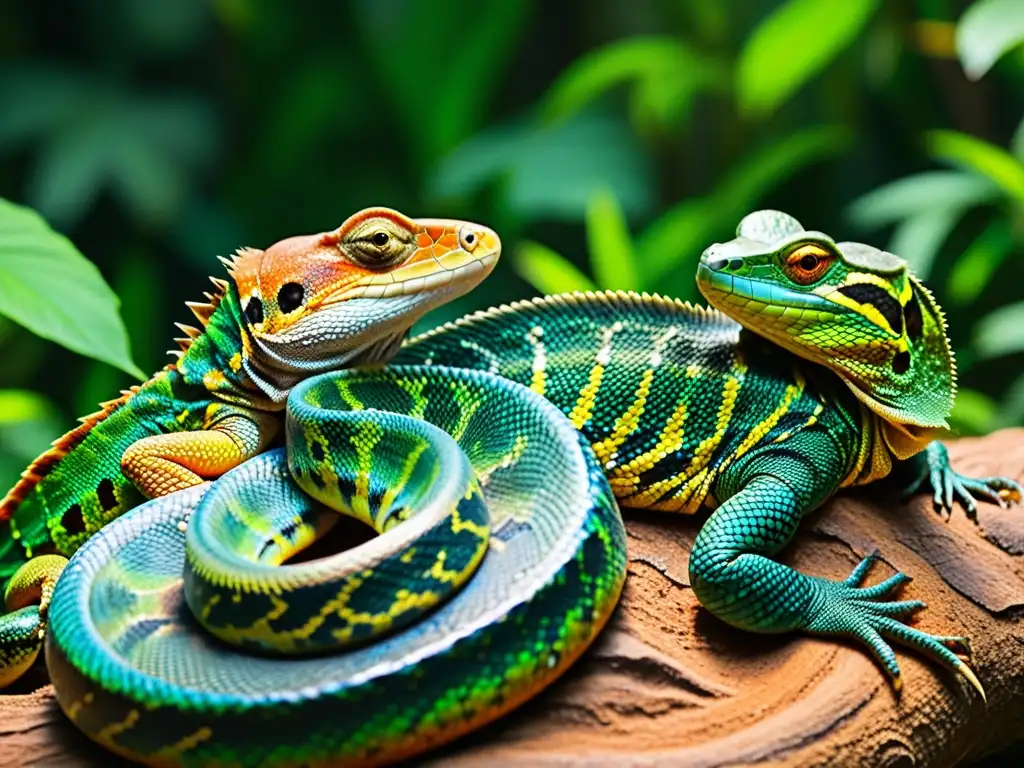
(668, 684)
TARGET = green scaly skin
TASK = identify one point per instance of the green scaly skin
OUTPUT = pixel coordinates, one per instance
(676, 406)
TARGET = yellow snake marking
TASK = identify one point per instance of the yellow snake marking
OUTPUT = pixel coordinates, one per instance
(506, 461)
(628, 422)
(76, 706)
(702, 455)
(584, 408)
(347, 396)
(538, 383)
(235, 363)
(365, 440)
(414, 387)
(185, 743)
(691, 497)
(388, 499)
(470, 403)
(107, 734)
(625, 477)
(214, 379)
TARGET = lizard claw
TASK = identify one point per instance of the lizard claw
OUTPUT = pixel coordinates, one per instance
(847, 609)
(949, 486)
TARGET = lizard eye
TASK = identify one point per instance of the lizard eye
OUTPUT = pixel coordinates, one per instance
(380, 239)
(254, 311)
(807, 263)
(289, 298)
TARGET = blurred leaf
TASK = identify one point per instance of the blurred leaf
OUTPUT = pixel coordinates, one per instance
(976, 265)
(28, 423)
(920, 193)
(684, 231)
(973, 412)
(609, 244)
(918, 239)
(440, 62)
(47, 286)
(165, 28)
(548, 271)
(791, 45)
(979, 156)
(1011, 411)
(1017, 142)
(1000, 332)
(665, 71)
(987, 30)
(47, 97)
(551, 172)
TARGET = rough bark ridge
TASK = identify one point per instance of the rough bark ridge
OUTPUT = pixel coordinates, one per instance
(668, 684)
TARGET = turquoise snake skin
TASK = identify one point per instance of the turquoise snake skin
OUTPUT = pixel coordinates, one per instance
(500, 550)
(150, 684)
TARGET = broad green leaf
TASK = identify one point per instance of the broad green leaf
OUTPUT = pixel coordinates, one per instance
(547, 271)
(988, 160)
(1000, 332)
(665, 71)
(677, 238)
(973, 412)
(919, 238)
(610, 244)
(986, 31)
(913, 195)
(47, 286)
(550, 172)
(796, 41)
(975, 266)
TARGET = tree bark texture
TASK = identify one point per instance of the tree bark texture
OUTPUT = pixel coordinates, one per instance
(668, 684)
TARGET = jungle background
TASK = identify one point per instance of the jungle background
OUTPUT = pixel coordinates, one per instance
(608, 142)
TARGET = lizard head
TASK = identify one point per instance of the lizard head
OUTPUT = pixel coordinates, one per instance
(320, 302)
(853, 308)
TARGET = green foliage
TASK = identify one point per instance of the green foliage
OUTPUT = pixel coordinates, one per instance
(792, 45)
(47, 286)
(987, 30)
(608, 149)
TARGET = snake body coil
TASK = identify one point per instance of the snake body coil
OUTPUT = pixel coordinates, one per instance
(135, 671)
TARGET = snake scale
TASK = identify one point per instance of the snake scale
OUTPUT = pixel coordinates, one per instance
(490, 457)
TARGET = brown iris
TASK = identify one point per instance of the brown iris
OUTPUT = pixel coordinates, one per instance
(807, 263)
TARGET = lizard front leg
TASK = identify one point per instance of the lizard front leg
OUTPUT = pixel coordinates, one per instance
(731, 573)
(163, 464)
(932, 466)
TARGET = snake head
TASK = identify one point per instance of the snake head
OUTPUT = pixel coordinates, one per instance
(320, 302)
(853, 308)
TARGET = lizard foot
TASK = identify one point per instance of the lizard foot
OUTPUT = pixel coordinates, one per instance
(948, 484)
(846, 609)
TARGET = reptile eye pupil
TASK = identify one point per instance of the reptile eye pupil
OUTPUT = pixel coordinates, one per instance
(808, 263)
(289, 298)
(470, 238)
(254, 311)
(380, 239)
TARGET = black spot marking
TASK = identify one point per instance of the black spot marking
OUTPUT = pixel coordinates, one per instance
(318, 479)
(254, 311)
(105, 492)
(912, 318)
(289, 298)
(736, 264)
(72, 520)
(317, 450)
(879, 298)
(901, 363)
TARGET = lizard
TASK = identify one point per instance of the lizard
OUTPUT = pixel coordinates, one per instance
(824, 365)
(302, 306)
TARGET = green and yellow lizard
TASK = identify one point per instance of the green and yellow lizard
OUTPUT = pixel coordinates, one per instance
(510, 552)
